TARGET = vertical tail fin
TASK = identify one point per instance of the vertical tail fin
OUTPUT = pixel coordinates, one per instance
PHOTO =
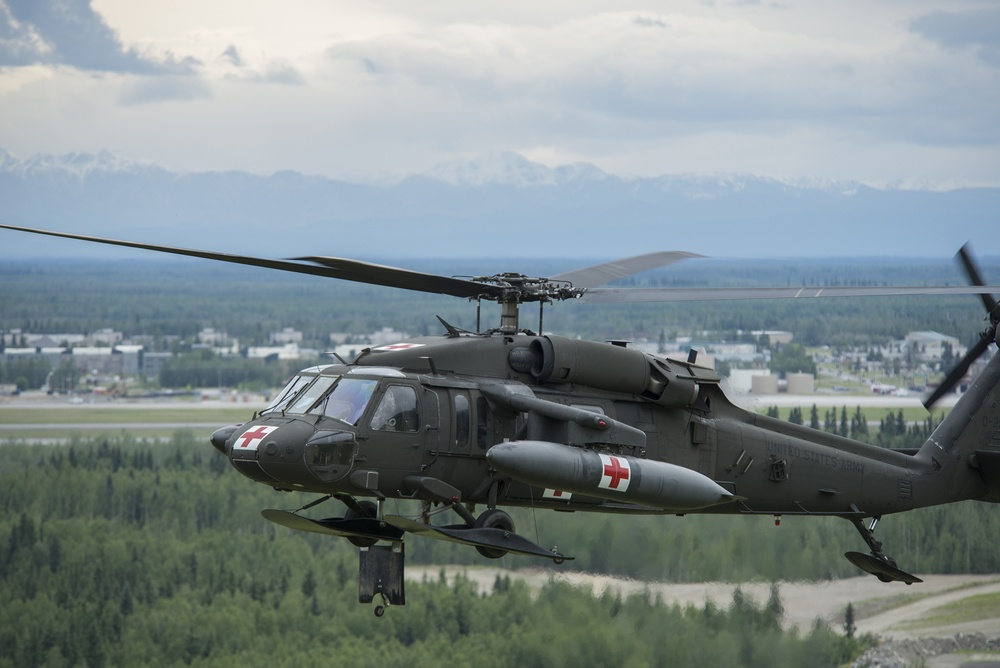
(965, 448)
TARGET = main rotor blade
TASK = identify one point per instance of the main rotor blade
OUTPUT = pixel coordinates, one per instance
(635, 295)
(349, 270)
(972, 271)
(367, 272)
(363, 272)
(958, 373)
(599, 274)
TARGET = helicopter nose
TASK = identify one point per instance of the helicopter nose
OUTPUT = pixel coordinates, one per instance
(221, 436)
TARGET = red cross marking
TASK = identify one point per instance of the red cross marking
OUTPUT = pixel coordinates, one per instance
(248, 437)
(614, 469)
(400, 346)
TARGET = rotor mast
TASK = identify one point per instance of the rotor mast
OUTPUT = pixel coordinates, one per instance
(512, 290)
(509, 317)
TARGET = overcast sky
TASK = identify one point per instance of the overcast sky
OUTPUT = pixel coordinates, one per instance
(899, 92)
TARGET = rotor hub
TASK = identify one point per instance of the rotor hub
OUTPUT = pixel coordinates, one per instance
(517, 288)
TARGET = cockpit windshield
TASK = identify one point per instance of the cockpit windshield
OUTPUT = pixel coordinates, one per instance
(280, 401)
(348, 399)
(304, 401)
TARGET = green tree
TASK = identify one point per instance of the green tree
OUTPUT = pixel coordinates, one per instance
(65, 377)
(859, 424)
(791, 358)
(850, 628)
(795, 415)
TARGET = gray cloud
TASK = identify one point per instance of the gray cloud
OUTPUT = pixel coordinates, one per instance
(158, 89)
(232, 55)
(978, 31)
(282, 73)
(672, 74)
(274, 72)
(70, 32)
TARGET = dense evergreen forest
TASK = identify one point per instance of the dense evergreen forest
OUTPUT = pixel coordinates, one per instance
(123, 552)
(129, 553)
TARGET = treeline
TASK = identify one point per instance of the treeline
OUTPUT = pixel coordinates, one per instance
(25, 373)
(169, 298)
(132, 553)
(203, 368)
(893, 431)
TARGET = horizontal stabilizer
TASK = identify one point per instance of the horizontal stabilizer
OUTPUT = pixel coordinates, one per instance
(361, 527)
(477, 537)
(881, 569)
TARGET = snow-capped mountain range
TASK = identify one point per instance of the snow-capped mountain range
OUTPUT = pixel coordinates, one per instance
(496, 205)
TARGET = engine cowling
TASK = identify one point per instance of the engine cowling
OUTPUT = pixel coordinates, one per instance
(556, 359)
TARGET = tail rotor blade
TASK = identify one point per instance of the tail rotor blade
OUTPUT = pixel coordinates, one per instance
(975, 278)
(956, 374)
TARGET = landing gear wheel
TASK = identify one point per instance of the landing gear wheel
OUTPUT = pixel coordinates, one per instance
(379, 610)
(370, 511)
(494, 518)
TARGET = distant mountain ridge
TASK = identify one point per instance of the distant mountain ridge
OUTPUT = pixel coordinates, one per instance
(497, 205)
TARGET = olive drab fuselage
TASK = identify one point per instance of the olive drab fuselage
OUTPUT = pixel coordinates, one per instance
(434, 407)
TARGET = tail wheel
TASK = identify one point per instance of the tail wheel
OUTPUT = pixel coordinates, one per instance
(369, 510)
(494, 519)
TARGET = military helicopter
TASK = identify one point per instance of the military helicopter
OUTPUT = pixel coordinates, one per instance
(511, 417)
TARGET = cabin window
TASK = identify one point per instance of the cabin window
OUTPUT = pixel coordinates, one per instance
(397, 411)
(484, 424)
(462, 420)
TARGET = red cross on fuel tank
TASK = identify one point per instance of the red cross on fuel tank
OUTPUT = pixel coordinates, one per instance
(616, 473)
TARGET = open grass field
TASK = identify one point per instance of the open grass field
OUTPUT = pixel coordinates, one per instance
(154, 420)
(63, 415)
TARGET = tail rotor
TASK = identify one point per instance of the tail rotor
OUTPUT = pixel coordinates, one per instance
(988, 336)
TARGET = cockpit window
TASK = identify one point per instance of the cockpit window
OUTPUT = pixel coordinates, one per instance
(306, 399)
(397, 411)
(348, 400)
(288, 393)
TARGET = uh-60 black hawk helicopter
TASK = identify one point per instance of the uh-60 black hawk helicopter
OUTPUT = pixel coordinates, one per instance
(508, 417)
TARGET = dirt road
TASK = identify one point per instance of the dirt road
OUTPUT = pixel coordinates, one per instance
(903, 614)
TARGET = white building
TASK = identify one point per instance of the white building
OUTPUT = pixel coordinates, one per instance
(929, 346)
(289, 351)
(286, 336)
